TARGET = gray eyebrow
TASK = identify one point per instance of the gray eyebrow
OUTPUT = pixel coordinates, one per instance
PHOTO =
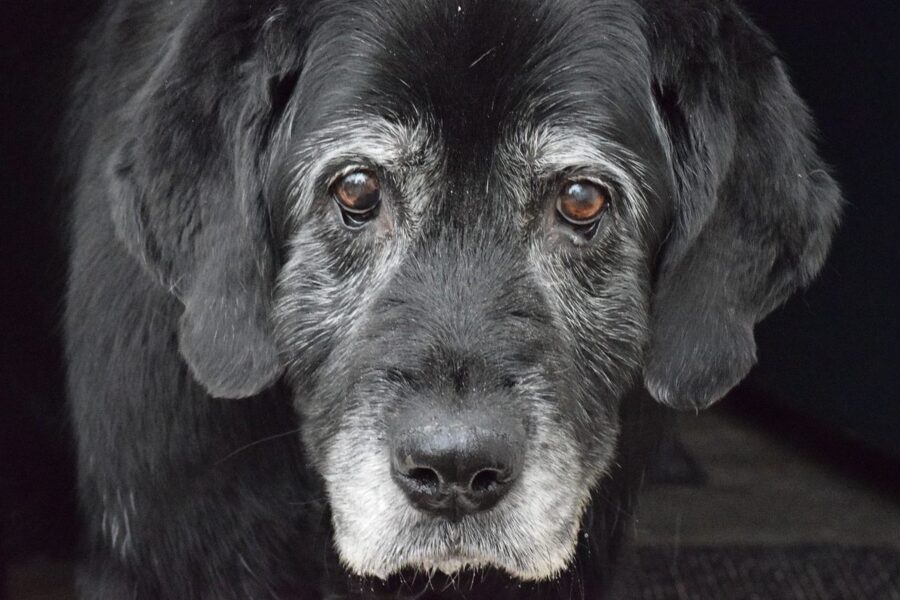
(548, 149)
(387, 143)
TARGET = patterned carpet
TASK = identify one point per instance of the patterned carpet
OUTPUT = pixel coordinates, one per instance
(820, 572)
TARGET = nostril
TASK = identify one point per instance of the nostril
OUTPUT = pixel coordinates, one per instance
(510, 382)
(424, 478)
(486, 480)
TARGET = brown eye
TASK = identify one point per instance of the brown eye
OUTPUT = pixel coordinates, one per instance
(358, 194)
(582, 202)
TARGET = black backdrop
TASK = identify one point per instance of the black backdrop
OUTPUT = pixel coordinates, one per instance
(831, 353)
(36, 478)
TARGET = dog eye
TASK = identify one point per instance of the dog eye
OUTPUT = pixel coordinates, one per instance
(358, 195)
(581, 203)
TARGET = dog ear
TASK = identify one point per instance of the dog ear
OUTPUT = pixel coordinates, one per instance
(754, 206)
(187, 200)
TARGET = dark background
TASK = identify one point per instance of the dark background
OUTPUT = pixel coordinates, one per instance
(829, 359)
(833, 351)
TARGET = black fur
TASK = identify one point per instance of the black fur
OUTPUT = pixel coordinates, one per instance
(199, 327)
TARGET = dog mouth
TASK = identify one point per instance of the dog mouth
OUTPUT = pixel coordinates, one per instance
(451, 563)
(454, 575)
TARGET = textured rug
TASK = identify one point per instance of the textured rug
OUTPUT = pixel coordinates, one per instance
(822, 572)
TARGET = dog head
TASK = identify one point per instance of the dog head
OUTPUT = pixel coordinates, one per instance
(466, 230)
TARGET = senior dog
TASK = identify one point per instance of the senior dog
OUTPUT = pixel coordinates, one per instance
(383, 297)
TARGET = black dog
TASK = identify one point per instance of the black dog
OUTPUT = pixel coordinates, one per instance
(365, 296)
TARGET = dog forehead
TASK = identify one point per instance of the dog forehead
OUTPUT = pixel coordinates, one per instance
(473, 66)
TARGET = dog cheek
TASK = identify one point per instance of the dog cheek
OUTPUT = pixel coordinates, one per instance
(306, 292)
(324, 295)
(316, 302)
(600, 308)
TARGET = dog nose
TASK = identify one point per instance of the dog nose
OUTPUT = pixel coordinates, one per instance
(453, 471)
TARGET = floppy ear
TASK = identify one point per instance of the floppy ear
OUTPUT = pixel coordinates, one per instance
(754, 206)
(186, 181)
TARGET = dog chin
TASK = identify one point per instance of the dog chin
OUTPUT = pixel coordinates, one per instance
(454, 564)
(528, 563)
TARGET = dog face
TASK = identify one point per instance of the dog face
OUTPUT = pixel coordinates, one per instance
(464, 231)
(484, 314)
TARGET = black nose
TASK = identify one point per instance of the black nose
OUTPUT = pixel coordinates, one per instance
(454, 470)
